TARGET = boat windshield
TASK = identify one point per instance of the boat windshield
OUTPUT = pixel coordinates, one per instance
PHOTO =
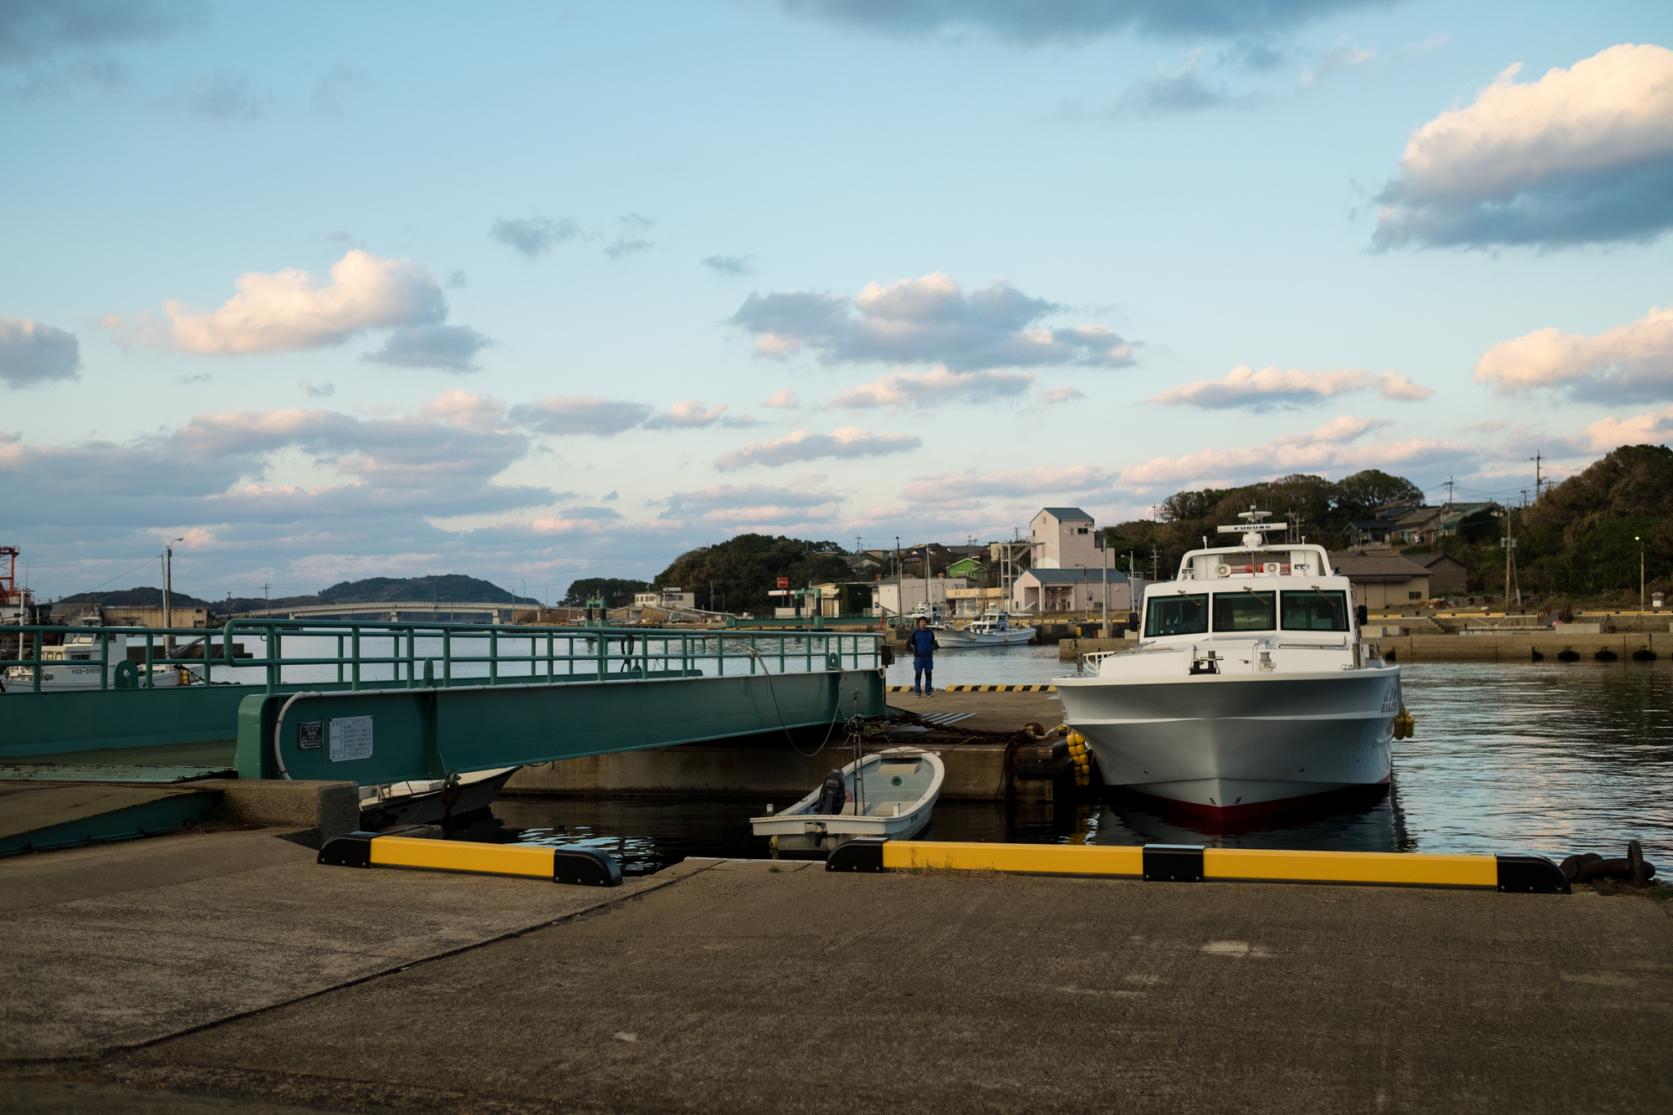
(1176, 615)
(1245, 611)
(1315, 611)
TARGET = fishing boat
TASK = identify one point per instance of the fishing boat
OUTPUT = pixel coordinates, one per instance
(1250, 688)
(76, 663)
(889, 794)
(992, 629)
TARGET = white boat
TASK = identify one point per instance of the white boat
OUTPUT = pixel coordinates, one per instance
(431, 802)
(74, 664)
(1249, 687)
(889, 794)
(992, 629)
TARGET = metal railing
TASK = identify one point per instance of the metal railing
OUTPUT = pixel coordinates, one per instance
(274, 653)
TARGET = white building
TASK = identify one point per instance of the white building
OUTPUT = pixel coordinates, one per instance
(670, 599)
(892, 599)
(1053, 591)
(1063, 538)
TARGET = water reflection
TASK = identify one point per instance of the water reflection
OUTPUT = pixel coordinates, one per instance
(1548, 758)
(1369, 822)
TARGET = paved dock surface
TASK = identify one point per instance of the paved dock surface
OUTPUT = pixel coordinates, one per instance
(202, 972)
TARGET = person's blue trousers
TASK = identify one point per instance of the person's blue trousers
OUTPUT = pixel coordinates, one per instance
(923, 669)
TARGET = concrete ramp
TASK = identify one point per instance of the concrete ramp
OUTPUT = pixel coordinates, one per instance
(37, 816)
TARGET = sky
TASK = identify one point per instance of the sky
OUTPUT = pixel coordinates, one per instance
(542, 291)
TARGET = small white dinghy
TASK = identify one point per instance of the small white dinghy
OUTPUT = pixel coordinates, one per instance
(889, 794)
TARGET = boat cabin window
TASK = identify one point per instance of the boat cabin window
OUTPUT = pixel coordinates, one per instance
(1245, 611)
(1315, 611)
(1176, 615)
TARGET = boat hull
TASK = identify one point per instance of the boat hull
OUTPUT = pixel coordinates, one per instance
(1012, 638)
(1229, 747)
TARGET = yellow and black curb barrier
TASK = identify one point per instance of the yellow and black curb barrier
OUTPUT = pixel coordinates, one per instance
(1194, 864)
(982, 689)
(561, 865)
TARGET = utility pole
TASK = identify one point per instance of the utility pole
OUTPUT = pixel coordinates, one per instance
(1104, 632)
(900, 584)
(168, 587)
(1449, 486)
(1536, 458)
(1509, 544)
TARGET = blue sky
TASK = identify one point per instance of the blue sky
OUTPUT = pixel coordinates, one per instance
(384, 289)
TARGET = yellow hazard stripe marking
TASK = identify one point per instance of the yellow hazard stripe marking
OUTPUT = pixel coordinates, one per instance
(450, 855)
(1038, 859)
(982, 689)
(1399, 868)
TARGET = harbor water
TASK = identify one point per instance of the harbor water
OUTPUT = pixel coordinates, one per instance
(1548, 758)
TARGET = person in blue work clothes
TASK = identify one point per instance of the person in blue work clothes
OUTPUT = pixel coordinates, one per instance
(922, 644)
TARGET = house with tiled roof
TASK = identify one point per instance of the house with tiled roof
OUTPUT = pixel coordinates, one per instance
(1382, 578)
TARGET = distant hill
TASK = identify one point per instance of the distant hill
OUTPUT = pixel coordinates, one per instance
(443, 589)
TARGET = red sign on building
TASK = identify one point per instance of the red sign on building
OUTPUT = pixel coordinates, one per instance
(784, 582)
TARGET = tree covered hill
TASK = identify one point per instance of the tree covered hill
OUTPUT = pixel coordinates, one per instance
(1325, 511)
(1578, 539)
(737, 574)
(443, 589)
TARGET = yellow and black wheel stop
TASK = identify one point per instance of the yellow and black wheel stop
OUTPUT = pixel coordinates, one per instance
(582, 866)
(1193, 863)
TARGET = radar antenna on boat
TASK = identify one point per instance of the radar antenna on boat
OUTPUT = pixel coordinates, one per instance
(1254, 528)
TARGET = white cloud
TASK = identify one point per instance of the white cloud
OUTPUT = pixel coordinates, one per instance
(1050, 481)
(452, 348)
(802, 445)
(288, 310)
(692, 415)
(1272, 388)
(580, 414)
(733, 506)
(1054, 396)
(1653, 428)
(783, 399)
(533, 235)
(466, 410)
(939, 385)
(1336, 59)
(32, 353)
(1338, 445)
(927, 320)
(1583, 154)
(1631, 362)
(730, 266)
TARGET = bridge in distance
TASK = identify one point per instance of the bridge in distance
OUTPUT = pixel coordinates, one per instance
(393, 610)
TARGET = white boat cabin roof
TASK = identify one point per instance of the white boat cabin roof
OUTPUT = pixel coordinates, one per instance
(1255, 556)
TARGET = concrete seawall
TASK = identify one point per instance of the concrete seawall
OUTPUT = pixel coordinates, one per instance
(780, 775)
(1516, 647)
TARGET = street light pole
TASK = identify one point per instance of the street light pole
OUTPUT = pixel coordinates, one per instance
(1640, 540)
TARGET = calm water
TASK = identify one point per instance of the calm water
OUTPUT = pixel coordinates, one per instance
(1547, 758)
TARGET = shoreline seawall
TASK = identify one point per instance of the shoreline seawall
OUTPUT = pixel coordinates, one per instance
(1531, 646)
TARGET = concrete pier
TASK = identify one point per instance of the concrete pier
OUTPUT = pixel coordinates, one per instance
(197, 972)
(771, 766)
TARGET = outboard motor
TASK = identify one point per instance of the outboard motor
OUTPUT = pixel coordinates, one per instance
(833, 795)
